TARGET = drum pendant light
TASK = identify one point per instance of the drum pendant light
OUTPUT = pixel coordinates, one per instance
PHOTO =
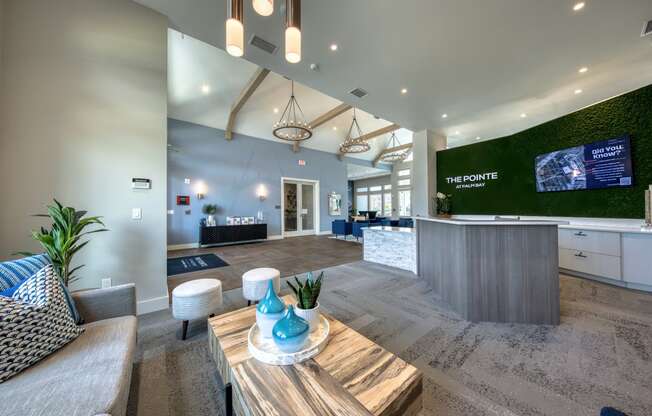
(264, 7)
(293, 31)
(235, 28)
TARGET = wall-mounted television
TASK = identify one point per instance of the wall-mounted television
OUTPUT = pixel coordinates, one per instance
(597, 165)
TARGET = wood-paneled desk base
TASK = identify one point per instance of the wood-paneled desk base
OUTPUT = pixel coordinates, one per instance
(352, 376)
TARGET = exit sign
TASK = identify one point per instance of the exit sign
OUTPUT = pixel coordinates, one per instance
(302, 162)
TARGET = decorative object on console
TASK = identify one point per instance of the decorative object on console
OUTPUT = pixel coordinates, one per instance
(334, 204)
(354, 142)
(260, 217)
(210, 210)
(443, 203)
(292, 125)
(290, 332)
(62, 241)
(270, 310)
(307, 294)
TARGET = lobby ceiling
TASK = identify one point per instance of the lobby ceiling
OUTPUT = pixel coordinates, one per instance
(204, 82)
(494, 67)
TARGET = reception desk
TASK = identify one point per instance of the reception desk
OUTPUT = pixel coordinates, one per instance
(391, 246)
(497, 271)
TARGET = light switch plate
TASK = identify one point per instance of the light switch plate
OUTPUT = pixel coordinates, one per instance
(106, 283)
(136, 214)
(186, 181)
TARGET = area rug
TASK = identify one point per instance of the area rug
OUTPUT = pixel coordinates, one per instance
(180, 265)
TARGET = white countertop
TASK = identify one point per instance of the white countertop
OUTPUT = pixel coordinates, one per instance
(490, 222)
(391, 229)
(608, 228)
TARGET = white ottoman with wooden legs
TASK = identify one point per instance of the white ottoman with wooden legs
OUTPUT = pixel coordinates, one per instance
(196, 299)
(254, 283)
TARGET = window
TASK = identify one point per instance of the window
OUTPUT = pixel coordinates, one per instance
(404, 204)
(361, 190)
(404, 182)
(361, 203)
(375, 188)
(404, 172)
(387, 204)
(388, 187)
(375, 202)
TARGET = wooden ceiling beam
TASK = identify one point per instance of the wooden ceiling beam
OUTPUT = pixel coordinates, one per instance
(391, 150)
(247, 92)
(329, 115)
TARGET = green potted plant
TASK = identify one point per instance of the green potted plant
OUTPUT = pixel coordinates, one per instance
(443, 203)
(210, 210)
(63, 240)
(307, 294)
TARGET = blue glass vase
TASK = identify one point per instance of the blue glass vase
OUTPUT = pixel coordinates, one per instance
(270, 310)
(291, 332)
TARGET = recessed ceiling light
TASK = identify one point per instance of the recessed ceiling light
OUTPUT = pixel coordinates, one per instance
(582, 70)
(334, 128)
(578, 91)
(477, 138)
(275, 110)
(457, 132)
(334, 47)
(523, 115)
(404, 91)
(444, 115)
(206, 89)
(579, 6)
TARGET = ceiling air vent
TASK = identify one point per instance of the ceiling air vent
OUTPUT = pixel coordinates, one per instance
(358, 92)
(261, 43)
(647, 29)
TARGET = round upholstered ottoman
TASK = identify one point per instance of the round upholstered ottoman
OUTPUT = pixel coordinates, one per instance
(196, 299)
(254, 283)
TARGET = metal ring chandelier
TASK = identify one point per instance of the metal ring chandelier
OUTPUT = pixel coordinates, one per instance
(292, 126)
(354, 144)
(395, 156)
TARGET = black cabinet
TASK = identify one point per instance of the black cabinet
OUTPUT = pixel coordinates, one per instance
(231, 234)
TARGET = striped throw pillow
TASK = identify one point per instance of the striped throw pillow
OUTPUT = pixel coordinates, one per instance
(15, 271)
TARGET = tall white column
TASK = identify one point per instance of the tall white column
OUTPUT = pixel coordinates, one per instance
(426, 143)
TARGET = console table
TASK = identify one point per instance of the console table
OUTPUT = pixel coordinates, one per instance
(231, 234)
(353, 376)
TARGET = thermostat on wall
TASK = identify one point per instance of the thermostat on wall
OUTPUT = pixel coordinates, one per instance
(141, 183)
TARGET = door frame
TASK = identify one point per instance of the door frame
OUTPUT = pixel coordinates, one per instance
(316, 205)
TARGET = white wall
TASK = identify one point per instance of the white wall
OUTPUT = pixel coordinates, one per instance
(85, 110)
(424, 170)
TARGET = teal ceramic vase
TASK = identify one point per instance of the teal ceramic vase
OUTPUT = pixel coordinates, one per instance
(291, 332)
(270, 310)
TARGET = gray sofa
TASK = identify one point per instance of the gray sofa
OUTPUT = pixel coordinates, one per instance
(91, 375)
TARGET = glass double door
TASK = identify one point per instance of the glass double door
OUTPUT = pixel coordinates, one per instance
(298, 208)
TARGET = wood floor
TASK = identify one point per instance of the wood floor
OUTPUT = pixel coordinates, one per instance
(290, 256)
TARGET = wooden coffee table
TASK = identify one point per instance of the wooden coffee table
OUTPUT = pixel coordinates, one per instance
(352, 376)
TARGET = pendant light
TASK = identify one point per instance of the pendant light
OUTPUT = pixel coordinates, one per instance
(292, 126)
(395, 156)
(235, 28)
(354, 144)
(264, 7)
(293, 31)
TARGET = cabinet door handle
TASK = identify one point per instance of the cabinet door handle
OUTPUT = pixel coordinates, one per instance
(580, 254)
(580, 234)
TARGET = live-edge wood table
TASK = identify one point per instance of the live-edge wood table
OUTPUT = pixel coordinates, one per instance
(352, 376)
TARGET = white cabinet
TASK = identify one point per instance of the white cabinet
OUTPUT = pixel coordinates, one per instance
(637, 258)
(594, 241)
(591, 263)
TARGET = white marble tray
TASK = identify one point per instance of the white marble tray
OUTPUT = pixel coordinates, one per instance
(266, 351)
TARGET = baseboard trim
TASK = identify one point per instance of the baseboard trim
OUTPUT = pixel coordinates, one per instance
(327, 232)
(152, 305)
(182, 246)
(275, 237)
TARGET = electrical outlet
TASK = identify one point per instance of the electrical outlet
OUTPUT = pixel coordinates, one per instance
(106, 283)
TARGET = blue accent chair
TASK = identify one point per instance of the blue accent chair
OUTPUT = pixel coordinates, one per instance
(406, 222)
(610, 411)
(341, 227)
(386, 222)
(357, 228)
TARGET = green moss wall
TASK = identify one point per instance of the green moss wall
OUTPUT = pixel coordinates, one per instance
(513, 157)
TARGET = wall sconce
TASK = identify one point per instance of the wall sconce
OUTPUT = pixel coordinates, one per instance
(261, 192)
(200, 188)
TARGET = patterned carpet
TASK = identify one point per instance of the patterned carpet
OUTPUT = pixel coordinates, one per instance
(600, 355)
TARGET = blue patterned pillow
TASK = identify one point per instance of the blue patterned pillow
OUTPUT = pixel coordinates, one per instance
(13, 272)
(34, 323)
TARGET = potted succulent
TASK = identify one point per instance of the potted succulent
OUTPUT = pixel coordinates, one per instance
(307, 294)
(444, 203)
(210, 210)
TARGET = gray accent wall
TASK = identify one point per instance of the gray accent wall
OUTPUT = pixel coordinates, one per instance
(84, 91)
(232, 171)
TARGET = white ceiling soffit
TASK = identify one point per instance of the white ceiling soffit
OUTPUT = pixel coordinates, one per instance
(204, 81)
(356, 172)
(483, 63)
